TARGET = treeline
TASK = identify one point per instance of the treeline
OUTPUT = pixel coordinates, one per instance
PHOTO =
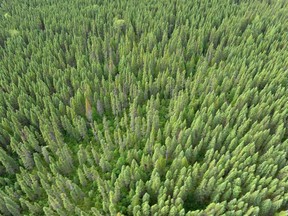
(143, 107)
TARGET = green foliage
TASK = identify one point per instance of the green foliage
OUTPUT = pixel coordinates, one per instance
(119, 24)
(143, 107)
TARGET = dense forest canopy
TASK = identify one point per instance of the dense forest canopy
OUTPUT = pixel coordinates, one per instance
(149, 107)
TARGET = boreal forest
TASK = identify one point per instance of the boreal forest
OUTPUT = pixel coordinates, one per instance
(143, 107)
